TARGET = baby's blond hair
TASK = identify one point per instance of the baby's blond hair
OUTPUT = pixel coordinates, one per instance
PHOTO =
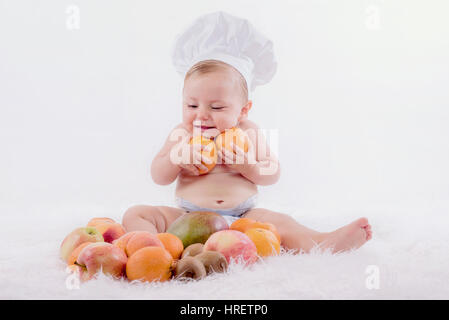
(208, 66)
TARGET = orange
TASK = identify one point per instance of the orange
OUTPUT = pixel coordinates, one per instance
(266, 242)
(172, 244)
(74, 255)
(150, 264)
(235, 135)
(244, 224)
(212, 154)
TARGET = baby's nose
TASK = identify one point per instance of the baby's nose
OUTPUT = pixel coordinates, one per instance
(202, 113)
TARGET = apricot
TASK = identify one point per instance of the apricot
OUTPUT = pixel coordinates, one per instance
(172, 244)
(235, 135)
(211, 155)
(142, 239)
(244, 224)
(266, 242)
(123, 240)
(150, 264)
(241, 224)
(267, 226)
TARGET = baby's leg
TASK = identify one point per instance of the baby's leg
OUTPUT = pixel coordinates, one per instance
(150, 218)
(296, 236)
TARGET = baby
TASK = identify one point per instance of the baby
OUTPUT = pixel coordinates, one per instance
(215, 98)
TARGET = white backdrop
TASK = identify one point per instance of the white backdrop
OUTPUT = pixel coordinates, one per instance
(88, 95)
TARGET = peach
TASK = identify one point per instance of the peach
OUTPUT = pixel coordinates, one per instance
(103, 256)
(123, 240)
(77, 237)
(109, 229)
(233, 245)
(92, 222)
(140, 240)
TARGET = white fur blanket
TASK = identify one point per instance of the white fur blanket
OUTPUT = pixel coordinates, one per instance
(408, 258)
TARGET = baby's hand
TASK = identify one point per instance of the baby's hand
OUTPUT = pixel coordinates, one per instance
(237, 156)
(190, 159)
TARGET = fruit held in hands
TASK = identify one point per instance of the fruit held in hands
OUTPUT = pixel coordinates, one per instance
(196, 227)
(150, 264)
(77, 237)
(103, 256)
(235, 135)
(209, 154)
(266, 242)
(232, 244)
(109, 229)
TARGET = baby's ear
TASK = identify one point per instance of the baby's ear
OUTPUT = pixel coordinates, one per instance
(245, 109)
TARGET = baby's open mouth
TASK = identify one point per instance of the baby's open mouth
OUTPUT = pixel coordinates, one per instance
(204, 127)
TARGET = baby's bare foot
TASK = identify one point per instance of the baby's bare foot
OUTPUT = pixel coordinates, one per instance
(351, 236)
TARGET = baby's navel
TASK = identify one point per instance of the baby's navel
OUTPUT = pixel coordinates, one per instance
(220, 201)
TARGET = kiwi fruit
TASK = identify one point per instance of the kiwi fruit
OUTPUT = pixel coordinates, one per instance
(192, 250)
(213, 261)
(190, 267)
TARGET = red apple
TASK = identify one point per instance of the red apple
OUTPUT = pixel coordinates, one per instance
(232, 244)
(102, 256)
(77, 237)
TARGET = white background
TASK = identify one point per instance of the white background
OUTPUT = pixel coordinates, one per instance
(360, 100)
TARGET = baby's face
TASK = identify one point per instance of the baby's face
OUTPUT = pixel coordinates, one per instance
(215, 99)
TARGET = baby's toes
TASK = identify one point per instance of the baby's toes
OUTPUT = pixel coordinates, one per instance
(362, 222)
(369, 232)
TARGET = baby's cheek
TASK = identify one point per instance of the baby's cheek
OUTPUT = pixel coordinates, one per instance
(224, 124)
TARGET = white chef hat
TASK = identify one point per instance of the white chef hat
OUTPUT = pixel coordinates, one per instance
(221, 36)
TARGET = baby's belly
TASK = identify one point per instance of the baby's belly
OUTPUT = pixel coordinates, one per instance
(219, 189)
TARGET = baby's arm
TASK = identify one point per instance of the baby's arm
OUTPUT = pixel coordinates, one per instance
(163, 170)
(266, 170)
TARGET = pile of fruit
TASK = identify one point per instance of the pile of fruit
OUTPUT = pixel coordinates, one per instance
(195, 245)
